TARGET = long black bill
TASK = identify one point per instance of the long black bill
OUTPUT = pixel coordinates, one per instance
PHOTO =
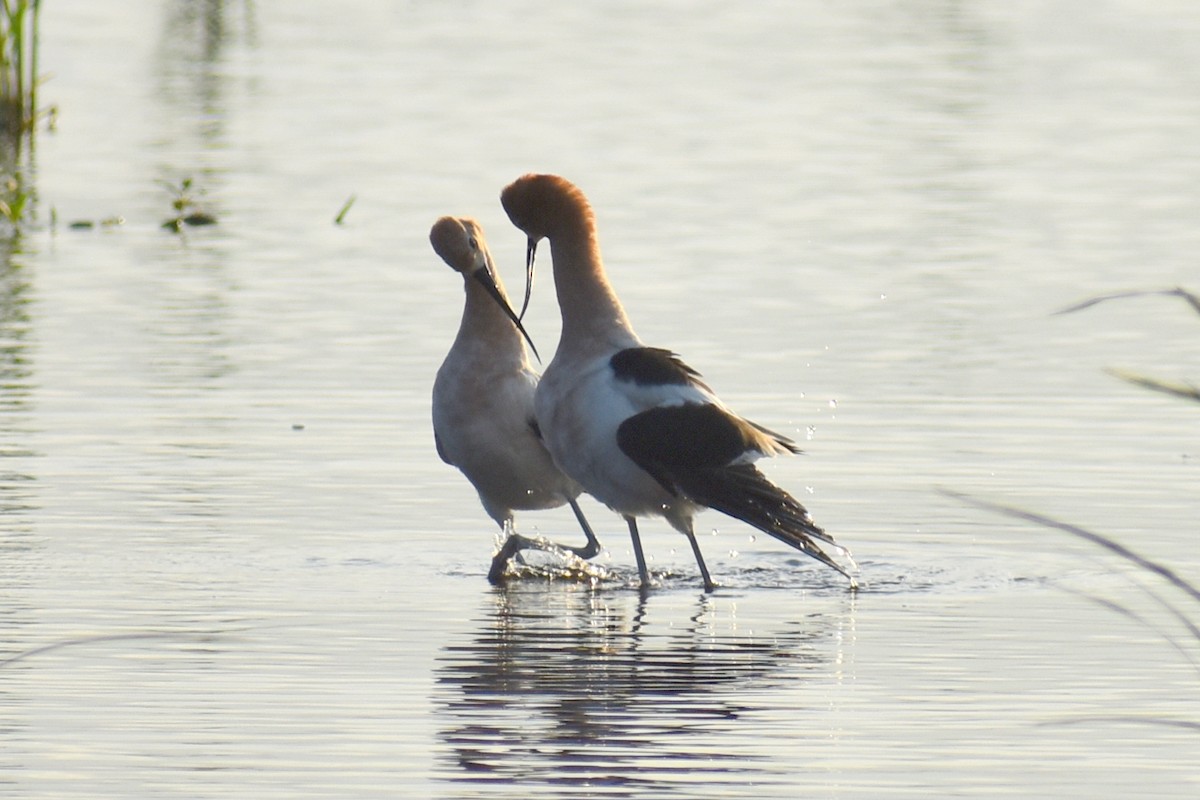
(530, 252)
(485, 278)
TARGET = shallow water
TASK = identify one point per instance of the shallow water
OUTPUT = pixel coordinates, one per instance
(231, 563)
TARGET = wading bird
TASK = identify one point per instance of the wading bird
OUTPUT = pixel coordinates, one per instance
(483, 401)
(634, 425)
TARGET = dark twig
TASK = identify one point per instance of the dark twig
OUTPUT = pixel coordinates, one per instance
(1192, 299)
(1182, 389)
(1164, 572)
(114, 637)
(1133, 616)
(1131, 719)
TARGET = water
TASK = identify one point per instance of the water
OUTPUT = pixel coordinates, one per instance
(233, 565)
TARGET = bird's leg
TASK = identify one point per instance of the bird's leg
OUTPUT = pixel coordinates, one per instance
(512, 548)
(709, 586)
(515, 543)
(512, 545)
(643, 573)
(592, 548)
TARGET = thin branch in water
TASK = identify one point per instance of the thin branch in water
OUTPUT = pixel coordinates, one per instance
(1131, 719)
(1130, 614)
(1164, 572)
(1181, 389)
(1192, 299)
(114, 637)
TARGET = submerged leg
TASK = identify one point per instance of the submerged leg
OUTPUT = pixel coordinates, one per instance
(515, 543)
(691, 536)
(513, 546)
(643, 573)
(592, 548)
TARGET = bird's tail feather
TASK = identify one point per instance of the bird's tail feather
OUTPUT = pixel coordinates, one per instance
(743, 492)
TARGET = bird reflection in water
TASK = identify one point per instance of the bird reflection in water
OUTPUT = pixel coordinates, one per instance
(560, 685)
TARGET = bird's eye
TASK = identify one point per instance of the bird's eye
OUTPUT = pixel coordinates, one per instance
(474, 243)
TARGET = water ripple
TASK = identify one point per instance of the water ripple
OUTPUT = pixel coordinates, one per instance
(559, 684)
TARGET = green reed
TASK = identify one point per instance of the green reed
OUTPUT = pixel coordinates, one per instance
(18, 65)
(18, 110)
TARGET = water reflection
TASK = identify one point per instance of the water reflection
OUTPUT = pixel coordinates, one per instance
(16, 373)
(193, 42)
(191, 324)
(193, 79)
(938, 171)
(560, 685)
(18, 541)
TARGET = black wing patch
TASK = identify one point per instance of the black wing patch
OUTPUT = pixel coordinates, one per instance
(742, 492)
(690, 450)
(652, 366)
(669, 440)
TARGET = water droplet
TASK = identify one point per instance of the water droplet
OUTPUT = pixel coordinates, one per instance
(752, 538)
(810, 433)
(809, 489)
(734, 554)
(714, 532)
(832, 403)
(882, 296)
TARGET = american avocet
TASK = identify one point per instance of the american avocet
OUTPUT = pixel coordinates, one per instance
(634, 425)
(483, 401)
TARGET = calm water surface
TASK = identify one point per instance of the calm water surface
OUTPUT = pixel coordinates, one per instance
(232, 565)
